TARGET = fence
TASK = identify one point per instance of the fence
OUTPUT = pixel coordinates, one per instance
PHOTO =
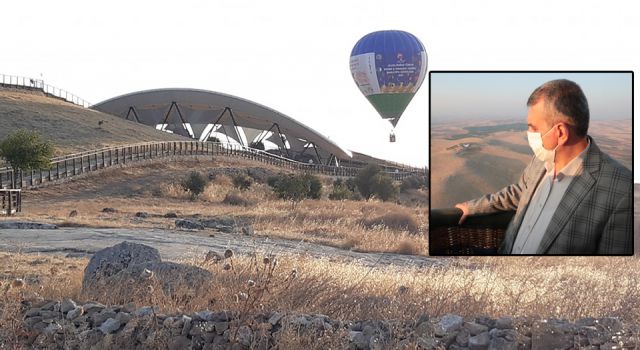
(81, 163)
(10, 201)
(38, 84)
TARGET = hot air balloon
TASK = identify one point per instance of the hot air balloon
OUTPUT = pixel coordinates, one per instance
(389, 66)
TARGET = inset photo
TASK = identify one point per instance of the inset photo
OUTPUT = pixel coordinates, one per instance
(531, 163)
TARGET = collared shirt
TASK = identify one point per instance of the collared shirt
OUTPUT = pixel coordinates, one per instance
(544, 203)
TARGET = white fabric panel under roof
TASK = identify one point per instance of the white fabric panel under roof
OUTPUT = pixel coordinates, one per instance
(297, 145)
(175, 124)
(198, 129)
(230, 131)
(275, 138)
(251, 134)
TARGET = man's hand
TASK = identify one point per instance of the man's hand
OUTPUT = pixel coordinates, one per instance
(465, 211)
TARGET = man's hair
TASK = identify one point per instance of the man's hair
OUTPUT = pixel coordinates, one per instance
(565, 102)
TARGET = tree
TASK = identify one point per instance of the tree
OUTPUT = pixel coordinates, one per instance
(371, 181)
(26, 150)
(295, 188)
(195, 183)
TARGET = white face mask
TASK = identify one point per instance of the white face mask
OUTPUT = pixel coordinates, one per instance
(535, 142)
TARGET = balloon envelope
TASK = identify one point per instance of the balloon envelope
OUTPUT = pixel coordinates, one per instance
(389, 66)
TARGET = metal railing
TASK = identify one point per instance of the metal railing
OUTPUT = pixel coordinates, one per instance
(10, 201)
(38, 84)
(478, 234)
(84, 162)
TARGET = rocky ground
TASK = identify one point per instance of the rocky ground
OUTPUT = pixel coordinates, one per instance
(74, 325)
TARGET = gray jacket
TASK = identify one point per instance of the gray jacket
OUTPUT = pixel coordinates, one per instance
(594, 217)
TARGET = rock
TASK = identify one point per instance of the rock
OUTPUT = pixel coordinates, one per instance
(110, 326)
(376, 343)
(110, 261)
(480, 341)
(90, 308)
(109, 210)
(32, 312)
(189, 224)
(186, 325)
(503, 344)
(75, 313)
(172, 276)
(448, 324)
(73, 214)
(101, 317)
(551, 335)
(475, 328)
(180, 343)
(245, 336)
(31, 321)
(52, 328)
(611, 324)
(51, 306)
(204, 315)
(46, 314)
(504, 323)
(124, 317)
(221, 327)
(484, 320)
(142, 214)
(275, 318)
(428, 344)
(171, 215)
(358, 339)
(462, 338)
(508, 334)
(144, 311)
(23, 225)
(67, 305)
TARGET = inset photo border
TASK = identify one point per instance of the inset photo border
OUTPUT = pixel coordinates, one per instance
(531, 163)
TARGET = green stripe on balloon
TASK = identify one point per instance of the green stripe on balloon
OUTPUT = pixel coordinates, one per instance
(390, 105)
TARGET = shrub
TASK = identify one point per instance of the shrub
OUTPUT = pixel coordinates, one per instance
(195, 183)
(242, 182)
(397, 220)
(371, 181)
(414, 182)
(342, 190)
(297, 187)
(236, 199)
(313, 186)
(383, 187)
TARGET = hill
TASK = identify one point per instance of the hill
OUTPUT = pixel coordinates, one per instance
(71, 128)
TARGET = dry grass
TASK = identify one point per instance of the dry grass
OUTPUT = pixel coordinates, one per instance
(363, 226)
(565, 287)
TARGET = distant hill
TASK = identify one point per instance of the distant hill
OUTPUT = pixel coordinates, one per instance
(496, 155)
(72, 128)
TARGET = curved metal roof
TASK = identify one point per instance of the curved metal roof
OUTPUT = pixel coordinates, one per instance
(203, 107)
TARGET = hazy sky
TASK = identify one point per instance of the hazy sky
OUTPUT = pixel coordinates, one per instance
(293, 56)
(459, 96)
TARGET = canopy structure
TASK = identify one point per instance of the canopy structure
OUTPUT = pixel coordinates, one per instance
(202, 114)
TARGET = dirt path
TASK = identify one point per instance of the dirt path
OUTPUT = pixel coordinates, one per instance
(179, 245)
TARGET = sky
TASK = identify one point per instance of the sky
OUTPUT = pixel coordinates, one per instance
(293, 56)
(482, 96)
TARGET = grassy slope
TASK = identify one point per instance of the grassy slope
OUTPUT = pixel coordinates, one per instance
(70, 127)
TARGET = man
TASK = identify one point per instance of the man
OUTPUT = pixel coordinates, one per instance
(572, 198)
